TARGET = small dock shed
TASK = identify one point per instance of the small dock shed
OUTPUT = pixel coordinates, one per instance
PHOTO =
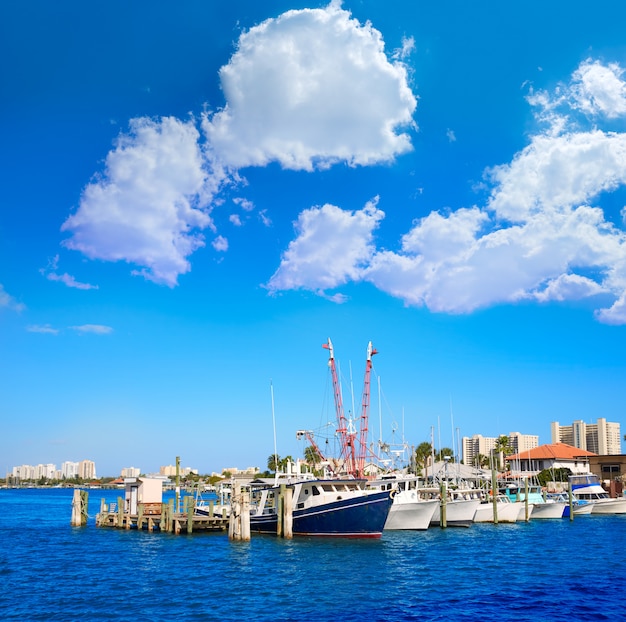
(147, 491)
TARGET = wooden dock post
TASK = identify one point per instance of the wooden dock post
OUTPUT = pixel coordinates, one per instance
(239, 520)
(494, 490)
(190, 509)
(79, 508)
(280, 510)
(443, 493)
(570, 497)
(245, 515)
(288, 513)
(120, 512)
(526, 500)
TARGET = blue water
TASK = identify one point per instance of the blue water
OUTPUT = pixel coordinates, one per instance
(542, 570)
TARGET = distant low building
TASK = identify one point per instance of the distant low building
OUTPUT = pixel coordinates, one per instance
(553, 456)
(170, 471)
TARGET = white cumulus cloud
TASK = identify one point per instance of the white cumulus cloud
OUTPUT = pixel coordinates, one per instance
(149, 205)
(538, 237)
(308, 89)
(331, 248)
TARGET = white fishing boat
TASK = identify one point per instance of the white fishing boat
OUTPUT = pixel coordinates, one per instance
(507, 511)
(543, 507)
(460, 507)
(588, 488)
(408, 510)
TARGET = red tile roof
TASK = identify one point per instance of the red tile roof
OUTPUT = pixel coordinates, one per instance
(555, 451)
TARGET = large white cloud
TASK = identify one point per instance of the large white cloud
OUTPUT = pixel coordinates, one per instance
(332, 247)
(311, 88)
(539, 236)
(307, 89)
(147, 207)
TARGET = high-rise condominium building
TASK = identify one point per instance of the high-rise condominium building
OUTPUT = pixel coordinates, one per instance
(479, 445)
(87, 469)
(603, 437)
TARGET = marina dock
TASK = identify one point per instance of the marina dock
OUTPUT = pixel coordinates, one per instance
(162, 517)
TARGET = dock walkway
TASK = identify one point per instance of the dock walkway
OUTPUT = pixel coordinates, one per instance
(161, 517)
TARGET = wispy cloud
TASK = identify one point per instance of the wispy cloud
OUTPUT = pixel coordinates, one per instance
(8, 302)
(69, 280)
(97, 329)
(44, 329)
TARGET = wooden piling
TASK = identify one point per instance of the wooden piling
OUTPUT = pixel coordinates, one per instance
(288, 513)
(494, 491)
(120, 512)
(443, 494)
(79, 508)
(570, 497)
(526, 500)
(190, 509)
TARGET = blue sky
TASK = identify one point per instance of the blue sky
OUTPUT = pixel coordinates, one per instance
(196, 197)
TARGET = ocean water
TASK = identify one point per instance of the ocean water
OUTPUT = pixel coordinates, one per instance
(542, 570)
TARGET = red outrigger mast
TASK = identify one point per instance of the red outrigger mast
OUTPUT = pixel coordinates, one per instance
(353, 449)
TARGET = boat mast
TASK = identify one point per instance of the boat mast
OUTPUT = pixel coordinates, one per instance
(346, 440)
(362, 449)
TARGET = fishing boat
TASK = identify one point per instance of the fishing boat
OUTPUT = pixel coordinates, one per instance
(580, 507)
(543, 507)
(460, 505)
(408, 510)
(342, 507)
(588, 488)
(507, 511)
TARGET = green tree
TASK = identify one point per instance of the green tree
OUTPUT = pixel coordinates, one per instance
(481, 460)
(312, 456)
(502, 448)
(273, 462)
(285, 461)
(553, 475)
(443, 452)
(422, 455)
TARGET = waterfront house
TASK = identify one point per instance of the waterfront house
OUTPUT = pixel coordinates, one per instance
(552, 456)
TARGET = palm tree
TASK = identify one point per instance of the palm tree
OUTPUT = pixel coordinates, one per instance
(443, 452)
(285, 461)
(422, 455)
(273, 462)
(502, 447)
(311, 455)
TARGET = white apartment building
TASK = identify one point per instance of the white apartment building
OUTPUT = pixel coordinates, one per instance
(87, 469)
(130, 472)
(170, 471)
(69, 470)
(603, 437)
(485, 445)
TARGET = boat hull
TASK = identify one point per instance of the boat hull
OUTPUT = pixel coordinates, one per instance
(357, 517)
(609, 506)
(507, 513)
(414, 515)
(548, 510)
(459, 513)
